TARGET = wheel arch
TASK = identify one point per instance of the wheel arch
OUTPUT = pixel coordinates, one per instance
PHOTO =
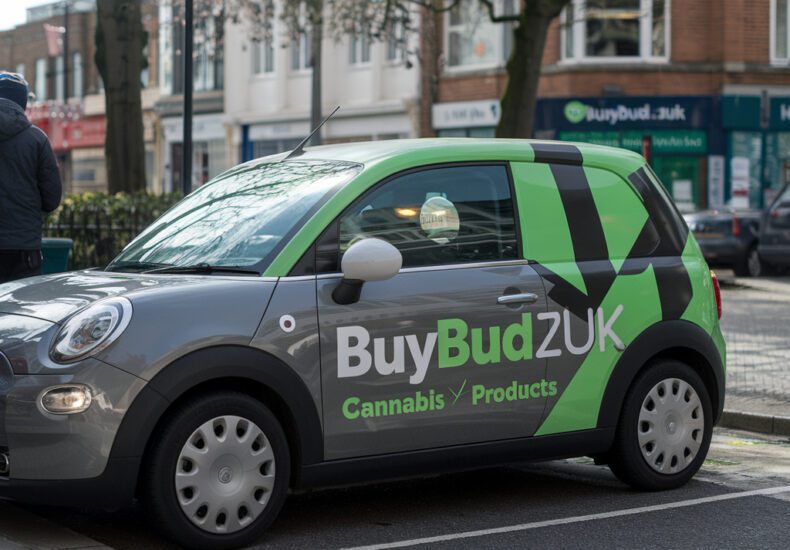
(248, 370)
(680, 340)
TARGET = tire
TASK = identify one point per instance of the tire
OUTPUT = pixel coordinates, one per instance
(679, 425)
(751, 265)
(231, 457)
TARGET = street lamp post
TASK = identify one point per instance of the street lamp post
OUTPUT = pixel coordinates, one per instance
(186, 160)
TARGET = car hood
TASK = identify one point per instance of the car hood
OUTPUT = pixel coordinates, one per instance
(55, 297)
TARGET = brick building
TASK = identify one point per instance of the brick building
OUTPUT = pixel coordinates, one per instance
(74, 118)
(704, 84)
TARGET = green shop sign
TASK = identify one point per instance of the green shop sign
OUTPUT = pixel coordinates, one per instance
(780, 113)
(662, 141)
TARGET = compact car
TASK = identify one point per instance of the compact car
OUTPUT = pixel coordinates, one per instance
(729, 239)
(366, 311)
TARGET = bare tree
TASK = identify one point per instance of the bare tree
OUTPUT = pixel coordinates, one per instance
(120, 40)
(530, 29)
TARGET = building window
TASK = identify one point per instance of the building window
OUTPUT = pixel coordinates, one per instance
(208, 58)
(615, 30)
(263, 48)
(779, 32)
(300, 51)
(41, 79)
(473, 41)
(359, 53)
(76, 85)
(396, 41)
(60, 94)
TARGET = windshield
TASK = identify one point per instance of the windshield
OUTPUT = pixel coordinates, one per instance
(239, 219)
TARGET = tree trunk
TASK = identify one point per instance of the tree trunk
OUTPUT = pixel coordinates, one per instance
(315, 60)
(523, 70)
(119, 59)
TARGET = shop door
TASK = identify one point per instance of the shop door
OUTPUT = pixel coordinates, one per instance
(681, 176)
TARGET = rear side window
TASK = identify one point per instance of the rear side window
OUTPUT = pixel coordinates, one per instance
(438, 216)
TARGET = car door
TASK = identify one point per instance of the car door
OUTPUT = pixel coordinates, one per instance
(442, 353)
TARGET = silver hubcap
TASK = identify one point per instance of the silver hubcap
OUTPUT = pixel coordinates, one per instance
(671, 426)
(225, 474)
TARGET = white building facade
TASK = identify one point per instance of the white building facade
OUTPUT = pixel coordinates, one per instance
(268, 91)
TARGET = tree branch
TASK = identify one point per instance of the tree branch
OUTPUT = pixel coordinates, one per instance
(489, 4)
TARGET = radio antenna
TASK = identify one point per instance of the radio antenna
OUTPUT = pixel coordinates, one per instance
(299, 150)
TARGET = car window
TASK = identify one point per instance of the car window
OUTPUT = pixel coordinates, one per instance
(240, 218)
(438, 216)
(783, 200)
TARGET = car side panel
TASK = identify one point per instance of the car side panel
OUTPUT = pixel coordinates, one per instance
(594, 253)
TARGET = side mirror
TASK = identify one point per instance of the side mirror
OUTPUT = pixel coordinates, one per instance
(366, 260)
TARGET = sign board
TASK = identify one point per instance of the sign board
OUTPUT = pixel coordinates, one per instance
(466, 114)
(780, 113)
(739, 171)
(662, 141)
(715, 181)
(606, 114)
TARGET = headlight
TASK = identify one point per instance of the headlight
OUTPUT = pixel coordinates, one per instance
(91, 330)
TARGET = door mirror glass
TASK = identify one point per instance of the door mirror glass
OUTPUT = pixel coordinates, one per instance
(371, 260)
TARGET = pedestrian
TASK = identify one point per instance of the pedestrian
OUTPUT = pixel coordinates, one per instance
(29, 182)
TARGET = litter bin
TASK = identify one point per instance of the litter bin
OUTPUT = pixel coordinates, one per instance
(56, 255)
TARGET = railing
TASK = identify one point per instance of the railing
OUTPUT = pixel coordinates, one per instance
(101, 225)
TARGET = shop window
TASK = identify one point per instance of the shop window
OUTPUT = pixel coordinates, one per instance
(396, 41)
(780, 28)
(439, 216)
(615, 30)
(473, 41)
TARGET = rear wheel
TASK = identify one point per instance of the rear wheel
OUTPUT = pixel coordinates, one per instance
(665, 428)
(218, 473)
(751, 265)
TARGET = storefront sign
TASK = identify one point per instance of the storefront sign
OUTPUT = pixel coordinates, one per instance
(623, 113)
(740, 168)
(715, 181)
(740, 112)
(662, 141)
(780, 113)
(466, 114)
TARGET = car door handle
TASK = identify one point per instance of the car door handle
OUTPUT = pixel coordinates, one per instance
(526, 298)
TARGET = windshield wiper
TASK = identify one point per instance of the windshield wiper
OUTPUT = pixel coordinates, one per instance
(133, 266)
(203, 268)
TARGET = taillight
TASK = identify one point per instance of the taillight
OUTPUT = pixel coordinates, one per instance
(736, 226)
(716, 292)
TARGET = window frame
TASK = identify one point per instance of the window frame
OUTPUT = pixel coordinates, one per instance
(578, 28)
(359, 46)
(773, 58)
(326, 248)
(499, 41)
(262, 47)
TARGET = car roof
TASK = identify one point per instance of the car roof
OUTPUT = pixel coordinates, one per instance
(405, 153)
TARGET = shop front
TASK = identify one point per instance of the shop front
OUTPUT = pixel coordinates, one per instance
(757, 135)
(678, 134)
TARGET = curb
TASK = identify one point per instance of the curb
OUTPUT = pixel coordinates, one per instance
(755, 422)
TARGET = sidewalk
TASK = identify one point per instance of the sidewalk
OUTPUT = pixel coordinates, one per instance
(756, 326)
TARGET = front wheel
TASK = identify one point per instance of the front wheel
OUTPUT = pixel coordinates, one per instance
(218, 472)
(751, 265)
(665, 428)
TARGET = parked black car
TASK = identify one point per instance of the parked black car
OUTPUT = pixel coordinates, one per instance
(729, 239)
(774, 246)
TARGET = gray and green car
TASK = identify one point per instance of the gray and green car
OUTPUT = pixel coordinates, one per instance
(366, 311)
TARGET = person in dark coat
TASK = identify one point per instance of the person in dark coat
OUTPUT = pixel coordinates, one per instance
(30, 182)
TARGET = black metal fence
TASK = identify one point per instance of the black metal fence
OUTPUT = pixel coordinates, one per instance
(100, 225)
